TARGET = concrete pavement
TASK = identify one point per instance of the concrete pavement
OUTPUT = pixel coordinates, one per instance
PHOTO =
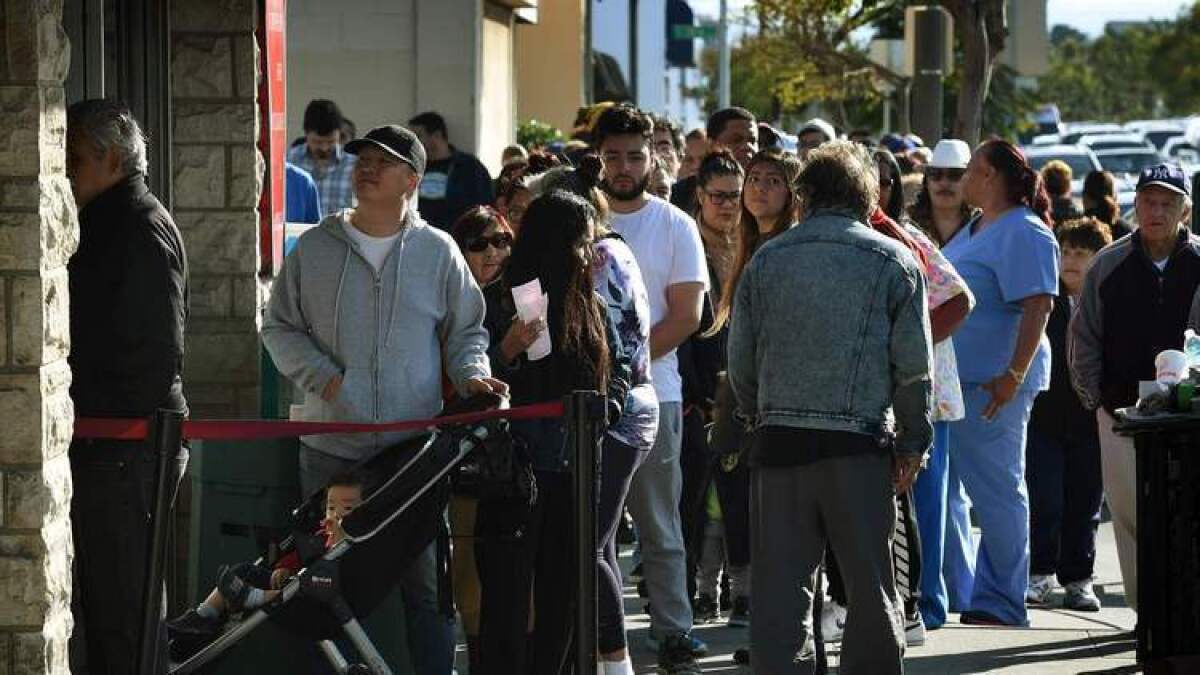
(1057, 641)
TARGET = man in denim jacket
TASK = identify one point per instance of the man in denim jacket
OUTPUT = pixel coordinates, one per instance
(830, 359)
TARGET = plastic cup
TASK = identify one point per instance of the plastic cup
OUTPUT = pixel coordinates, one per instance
(1170, 366)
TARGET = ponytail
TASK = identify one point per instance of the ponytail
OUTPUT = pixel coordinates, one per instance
(1023, 185)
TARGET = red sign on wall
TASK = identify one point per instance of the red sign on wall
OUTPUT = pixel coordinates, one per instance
(272, 140)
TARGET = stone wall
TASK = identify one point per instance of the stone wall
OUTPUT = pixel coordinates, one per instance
(217, 180)
(38, 234)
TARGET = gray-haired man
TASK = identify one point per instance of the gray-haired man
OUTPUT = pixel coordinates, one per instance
(128, 283)
(829, 355)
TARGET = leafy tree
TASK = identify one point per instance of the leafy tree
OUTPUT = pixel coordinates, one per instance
(534, 134)
(1176, 63)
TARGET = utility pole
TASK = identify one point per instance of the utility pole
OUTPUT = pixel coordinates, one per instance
(633, 50)
(723, 59)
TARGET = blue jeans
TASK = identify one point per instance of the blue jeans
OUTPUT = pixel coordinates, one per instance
(429, 630)
(1065, 490)
(929, 498)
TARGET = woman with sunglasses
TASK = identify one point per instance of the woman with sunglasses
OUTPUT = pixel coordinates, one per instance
(485, 239)
(940, 209)
(950, 302)
(701, 360)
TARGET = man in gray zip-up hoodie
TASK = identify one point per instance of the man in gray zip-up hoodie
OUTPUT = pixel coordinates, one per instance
(830, 357)
(364, 314)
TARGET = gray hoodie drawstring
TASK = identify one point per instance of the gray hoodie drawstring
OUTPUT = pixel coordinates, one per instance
(337, 298)
(387, 340)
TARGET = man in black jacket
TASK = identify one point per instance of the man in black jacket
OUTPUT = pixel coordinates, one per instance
(1134, 304)
(454, 180)
(128, 284)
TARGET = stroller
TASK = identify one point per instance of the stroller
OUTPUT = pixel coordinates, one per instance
(399, 517)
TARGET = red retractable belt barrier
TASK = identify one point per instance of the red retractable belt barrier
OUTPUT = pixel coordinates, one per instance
(232, 430)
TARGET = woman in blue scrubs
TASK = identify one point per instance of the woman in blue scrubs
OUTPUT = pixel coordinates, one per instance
(1009, 258)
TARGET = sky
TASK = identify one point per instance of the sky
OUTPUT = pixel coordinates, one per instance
(1088, 16)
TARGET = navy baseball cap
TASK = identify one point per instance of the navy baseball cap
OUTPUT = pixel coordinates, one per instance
(396, 141)
(1169, 176)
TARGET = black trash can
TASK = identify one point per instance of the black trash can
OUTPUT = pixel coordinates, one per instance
(1168, 536)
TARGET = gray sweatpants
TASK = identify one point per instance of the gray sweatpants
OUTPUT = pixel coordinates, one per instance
(653, 501)
(849, 503)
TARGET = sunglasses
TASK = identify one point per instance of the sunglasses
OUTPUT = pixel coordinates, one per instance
(499, 241)
(953, 175)
(719, 198)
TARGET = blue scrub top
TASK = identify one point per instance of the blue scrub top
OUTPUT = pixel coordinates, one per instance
(1014, 258)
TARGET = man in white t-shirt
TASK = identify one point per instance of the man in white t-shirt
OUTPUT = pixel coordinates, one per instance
(667, 246)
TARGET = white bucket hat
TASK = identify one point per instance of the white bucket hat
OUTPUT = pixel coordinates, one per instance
(950, 154)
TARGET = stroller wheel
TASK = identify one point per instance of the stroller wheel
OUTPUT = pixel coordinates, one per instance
(358, 669)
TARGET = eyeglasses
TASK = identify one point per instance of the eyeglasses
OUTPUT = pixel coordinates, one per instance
(953, 175)
(719, 198)
(499, 241)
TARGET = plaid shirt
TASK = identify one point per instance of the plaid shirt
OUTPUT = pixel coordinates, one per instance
(333, 180)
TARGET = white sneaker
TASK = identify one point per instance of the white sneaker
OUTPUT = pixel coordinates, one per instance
(1081, 597)
(914, 631)
(833, 621)
(1040, 586)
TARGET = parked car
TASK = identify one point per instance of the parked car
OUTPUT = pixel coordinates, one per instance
(1080, 158)
(1182, 151)
(1076, 130)
(1158, 132)
(1113, 141)
(1128, 162)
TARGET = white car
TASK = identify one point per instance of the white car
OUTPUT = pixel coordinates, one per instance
(1076, 130)
(1128, 162)
(1182, 151)
(1113, 141)
(1080, 158)
(1158, 132)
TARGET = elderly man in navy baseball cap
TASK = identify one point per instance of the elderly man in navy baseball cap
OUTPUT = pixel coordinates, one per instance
(1163, 205)
(1135, 303)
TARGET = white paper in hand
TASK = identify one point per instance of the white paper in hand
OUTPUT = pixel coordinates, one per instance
(533, 304)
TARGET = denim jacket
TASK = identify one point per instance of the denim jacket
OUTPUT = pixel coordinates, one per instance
(830, 331)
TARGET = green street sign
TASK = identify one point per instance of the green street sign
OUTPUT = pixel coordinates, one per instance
(682, 31)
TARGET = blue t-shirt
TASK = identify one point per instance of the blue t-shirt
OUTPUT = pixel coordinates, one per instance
(1012, 259)
(303, 204)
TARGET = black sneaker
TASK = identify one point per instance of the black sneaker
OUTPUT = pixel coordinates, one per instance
(705, 609)
(675, 656)
(740, 616)
(192, 623)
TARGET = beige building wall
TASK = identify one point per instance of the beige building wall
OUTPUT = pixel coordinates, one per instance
(38, 235)
(384, 62)
(1027, 49)
(549, 61)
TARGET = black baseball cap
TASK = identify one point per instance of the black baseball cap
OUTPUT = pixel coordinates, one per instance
(396, 141)
(1169, 176)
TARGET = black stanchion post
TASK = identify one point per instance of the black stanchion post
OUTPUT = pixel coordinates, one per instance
(166, 435)
(585, 413)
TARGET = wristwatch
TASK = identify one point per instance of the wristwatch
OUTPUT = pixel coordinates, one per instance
(1018, 375)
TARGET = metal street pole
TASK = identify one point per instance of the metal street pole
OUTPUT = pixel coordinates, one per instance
(723, 59)
(633, 50)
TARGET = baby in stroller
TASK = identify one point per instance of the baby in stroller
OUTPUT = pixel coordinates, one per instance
(250, 585)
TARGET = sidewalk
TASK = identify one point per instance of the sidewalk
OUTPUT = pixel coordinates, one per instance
(1057, 642)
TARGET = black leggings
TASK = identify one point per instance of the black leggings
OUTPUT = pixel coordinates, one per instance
(618, 462)
(906, 558)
